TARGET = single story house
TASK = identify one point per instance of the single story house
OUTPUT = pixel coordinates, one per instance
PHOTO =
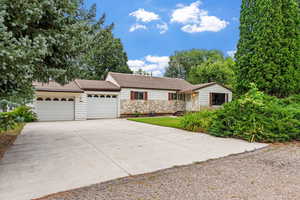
(122, 95)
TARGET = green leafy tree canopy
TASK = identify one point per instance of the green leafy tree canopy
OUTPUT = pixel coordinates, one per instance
(182, 61)
(219, 71)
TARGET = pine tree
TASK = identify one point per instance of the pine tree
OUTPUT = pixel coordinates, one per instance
(269, 47)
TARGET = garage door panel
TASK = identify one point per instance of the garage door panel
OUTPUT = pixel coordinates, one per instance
(102, 107)
(55, 110)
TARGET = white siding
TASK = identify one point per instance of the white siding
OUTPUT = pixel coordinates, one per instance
(152, 94)
(81, 107)
(204, 94)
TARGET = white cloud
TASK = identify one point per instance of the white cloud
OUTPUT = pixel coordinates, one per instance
(157, 73)
(158, 59)
(208, 23)
(163, 28)
(152, 64)
(135, 64)
(135, 27)
(231, 53)
(144, 16)
(196, 20)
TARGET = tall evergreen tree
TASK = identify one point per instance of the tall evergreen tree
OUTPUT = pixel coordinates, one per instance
(269, 47)
(39, 40)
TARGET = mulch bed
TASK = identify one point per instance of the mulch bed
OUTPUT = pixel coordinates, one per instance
(5, 142)
(8, 138)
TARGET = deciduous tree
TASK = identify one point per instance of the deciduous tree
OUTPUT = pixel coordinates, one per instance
(182, 61)
(219, 71)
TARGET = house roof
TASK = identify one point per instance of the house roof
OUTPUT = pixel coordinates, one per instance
(124, 81)
(96, 85)
(76, 86)
(53, 86)
(149, 82)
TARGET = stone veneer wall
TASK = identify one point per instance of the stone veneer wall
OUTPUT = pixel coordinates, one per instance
(151, 106)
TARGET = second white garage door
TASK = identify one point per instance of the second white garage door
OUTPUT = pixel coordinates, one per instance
(102, 106)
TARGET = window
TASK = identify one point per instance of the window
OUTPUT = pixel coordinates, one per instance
(63, 99)
(48, 99)
(96, 96)
(90, 96)
(217, 99)
(138, 95)
(114, 96)
(55, 99)
(102, 96)
(107, 96)
(176, 96)
(71, 99)
(40, 99)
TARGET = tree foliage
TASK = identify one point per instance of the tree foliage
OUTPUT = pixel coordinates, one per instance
(53, 39)
(219, 71)
(142, 72)
(105, 53)
(182, 61)
(269, 47)
(39, 40)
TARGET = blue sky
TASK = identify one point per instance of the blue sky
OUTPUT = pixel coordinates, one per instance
(151, 30)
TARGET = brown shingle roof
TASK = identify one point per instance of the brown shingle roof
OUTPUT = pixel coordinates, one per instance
(53, 86)
(148, 82)
(96, 85)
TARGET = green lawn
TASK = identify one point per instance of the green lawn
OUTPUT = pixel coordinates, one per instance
(173, 122)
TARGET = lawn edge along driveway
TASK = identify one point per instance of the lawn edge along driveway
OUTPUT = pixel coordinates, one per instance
(172, 122)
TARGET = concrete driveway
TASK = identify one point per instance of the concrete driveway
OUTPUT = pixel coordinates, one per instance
(51, 157)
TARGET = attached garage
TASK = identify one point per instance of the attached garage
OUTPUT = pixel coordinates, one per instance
(78, 100)
(55, 109)
(102, 106)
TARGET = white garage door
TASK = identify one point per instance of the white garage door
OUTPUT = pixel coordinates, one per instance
(102, 106)
(55, 109)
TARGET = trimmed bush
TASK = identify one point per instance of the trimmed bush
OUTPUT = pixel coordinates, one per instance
(199, 121)
(258, 117)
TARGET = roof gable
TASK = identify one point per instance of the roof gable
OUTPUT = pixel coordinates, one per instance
(204, 85)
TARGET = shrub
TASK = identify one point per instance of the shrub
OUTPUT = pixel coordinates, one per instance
(25, 114)
(258, 117)
(294, 99)
(199, 121)
(7, 121)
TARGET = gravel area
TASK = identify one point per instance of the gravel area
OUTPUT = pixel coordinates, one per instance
(272, 173)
